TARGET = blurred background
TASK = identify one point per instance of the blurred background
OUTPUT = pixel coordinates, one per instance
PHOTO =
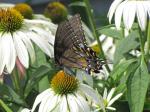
(100, 7)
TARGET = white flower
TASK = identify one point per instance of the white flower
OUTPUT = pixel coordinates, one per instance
(25, 110)
(108, 46)
(108, 100)
(6, 5)
(66, 95)
(130, 9)
(44, 23)
(17, 36)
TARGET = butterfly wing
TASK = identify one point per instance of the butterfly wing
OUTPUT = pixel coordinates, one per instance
(62, 41)
(71, 49)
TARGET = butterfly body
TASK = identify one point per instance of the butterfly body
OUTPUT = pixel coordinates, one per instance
(70, 48)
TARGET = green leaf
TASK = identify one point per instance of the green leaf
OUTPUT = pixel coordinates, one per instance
(137, 85)
(4, 106)
(78, 3)
(118, 71)
(40, 72)
(43, 84)
(125, 45)
(40, 57)
(10, 95)
(114, 33)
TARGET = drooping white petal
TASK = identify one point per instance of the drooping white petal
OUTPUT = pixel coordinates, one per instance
(111, 108)
(118, 14)
(110, 94)
(21, 50)
(148, 8)
(105, 93)
(114, 99)
(73, 107)
(107, 44)
(46, 35)
(63, 104)
(50, 25)
(25, 110)
(141, 15)
(88, 33)
(113, 8)
(100, 101)
(88, 91)
(39, 98)
(53, 102)
(43, 44)
(28, 45)
(46, 101)
(129, 14)
(82, 103)
(2, 58)
(8, 51)
(6, 5)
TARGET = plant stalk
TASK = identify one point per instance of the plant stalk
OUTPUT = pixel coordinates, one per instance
(93, 27)
(148, 40)
(16, 81)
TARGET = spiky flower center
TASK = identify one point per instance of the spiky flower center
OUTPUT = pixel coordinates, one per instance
(64, 84)
(56, 11)
(25, 10)
(105, 102)
(10, 20)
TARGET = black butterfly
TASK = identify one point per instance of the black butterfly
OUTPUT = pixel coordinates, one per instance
(71, 50)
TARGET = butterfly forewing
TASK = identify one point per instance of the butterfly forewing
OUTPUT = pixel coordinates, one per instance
(62, 40)
(76, 25)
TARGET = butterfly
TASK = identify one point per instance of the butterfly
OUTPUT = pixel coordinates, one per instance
(71, 49)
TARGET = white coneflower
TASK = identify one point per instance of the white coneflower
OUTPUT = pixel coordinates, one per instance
(16, 37)
(66, 94)
(130, 9)
(108, 100)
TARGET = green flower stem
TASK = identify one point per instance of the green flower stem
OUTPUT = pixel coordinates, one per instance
(4, 106)
(16, 81)
(93, 27)
(148, 39)
(142, 43)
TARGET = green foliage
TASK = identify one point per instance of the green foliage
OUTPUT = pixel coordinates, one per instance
(119, 69)
(125, 45)
(108, 31)
(36, 76)
(137, 85)
(78, 3)
(41, 59)
(3, 105)
(130, 72)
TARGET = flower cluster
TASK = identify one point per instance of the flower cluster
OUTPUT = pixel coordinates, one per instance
(128, 10)
(21, 31)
